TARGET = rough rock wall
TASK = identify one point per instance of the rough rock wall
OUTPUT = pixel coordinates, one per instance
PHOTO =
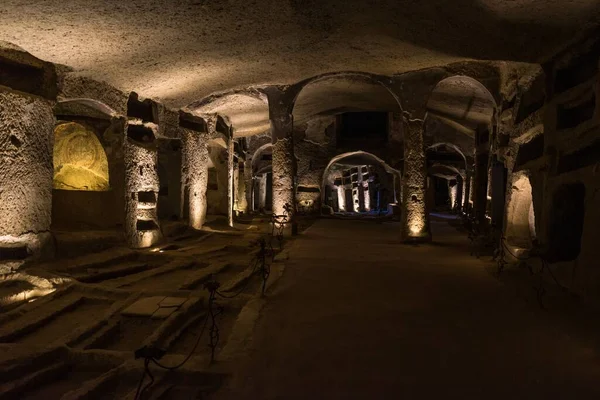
(74, 86)
(230, 180)
(241, 202)
(142, 227)
(571, 153)
(195, 175)
(415, 221)
(26, 141)
(283, 164)
(217, 199)
(169, 175)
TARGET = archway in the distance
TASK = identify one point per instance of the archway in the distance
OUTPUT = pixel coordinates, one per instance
(359, 183)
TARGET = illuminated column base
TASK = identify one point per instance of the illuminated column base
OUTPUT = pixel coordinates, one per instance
(415, 221)
(262, 192)
(142, 228)
(341, 198)
(453, 194)
(479, 189)
(230, 180)
(283, 168)
(460, 190)
(249, 185)
(195, 175)
(26, 172)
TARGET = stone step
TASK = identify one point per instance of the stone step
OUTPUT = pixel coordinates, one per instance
(197, 278)
(97, 260)
(14, 389)
(93, 275)
(36, 318)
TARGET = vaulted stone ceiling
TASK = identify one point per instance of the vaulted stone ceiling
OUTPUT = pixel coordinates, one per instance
(337, 95)
(181, 51)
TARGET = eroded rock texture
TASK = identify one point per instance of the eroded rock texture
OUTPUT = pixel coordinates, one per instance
(26, 140)
(195, 162)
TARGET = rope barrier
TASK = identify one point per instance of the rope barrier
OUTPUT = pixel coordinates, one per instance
(152, 354)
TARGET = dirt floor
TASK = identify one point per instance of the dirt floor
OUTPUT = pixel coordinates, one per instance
(349, 312)
(358, 315)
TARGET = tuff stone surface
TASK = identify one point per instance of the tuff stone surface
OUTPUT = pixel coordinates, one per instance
(181, 52)
(26, 140)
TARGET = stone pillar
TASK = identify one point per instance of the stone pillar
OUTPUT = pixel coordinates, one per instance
(415, 221)
(361, 191)
(241, 202)
(283, 163)
(467, 191)
(142, 227)
(249, 184)
(26, 174)
(453, 194)
(471, 193)
(195, 175)
(460, 184)
(480, 188)
(230, 178)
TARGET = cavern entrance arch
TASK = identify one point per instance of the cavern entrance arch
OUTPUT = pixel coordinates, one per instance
(447, 165)
(359, 183)
(345, 113)
(461, 111)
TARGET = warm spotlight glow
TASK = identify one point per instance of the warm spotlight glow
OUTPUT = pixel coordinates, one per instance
(80, 162)
(341, 199)
(453, 192)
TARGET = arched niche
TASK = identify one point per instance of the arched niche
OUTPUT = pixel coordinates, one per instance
(80, 162)
(466, 109)
(88, 181)
(349, 112)
(89, 172)
(520, 217)
(359, 182)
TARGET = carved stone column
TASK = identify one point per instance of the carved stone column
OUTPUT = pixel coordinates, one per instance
(230, 178)
(415, 221)
(195, 175)
(26, 173)
(142, 227)
(284, 163)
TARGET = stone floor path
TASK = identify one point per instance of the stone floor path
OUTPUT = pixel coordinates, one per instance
(357, 315)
